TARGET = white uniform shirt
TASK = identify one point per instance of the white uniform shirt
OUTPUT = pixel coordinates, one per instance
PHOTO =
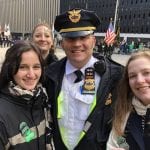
(76, 105)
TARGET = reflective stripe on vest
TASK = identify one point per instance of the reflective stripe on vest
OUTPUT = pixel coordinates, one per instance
(59, 115)
(18, 139)
(59, 105)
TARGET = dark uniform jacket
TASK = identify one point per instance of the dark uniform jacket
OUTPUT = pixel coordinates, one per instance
(22, 122)
(100, 118)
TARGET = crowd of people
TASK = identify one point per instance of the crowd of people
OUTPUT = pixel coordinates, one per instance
(82, 101)
(5, 41)
(121, 47)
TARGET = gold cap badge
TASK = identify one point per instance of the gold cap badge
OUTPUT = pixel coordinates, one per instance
(74, 15)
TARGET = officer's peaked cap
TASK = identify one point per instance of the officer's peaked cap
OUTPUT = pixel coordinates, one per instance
(76, 22)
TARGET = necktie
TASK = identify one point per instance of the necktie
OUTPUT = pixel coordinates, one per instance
(78, 73)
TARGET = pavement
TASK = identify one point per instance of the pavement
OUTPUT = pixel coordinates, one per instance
(122, 59)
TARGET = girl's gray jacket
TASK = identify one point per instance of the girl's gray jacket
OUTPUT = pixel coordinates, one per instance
(22, 122)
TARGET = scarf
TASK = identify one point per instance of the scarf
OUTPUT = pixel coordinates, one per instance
(139, 107)
(28, 94)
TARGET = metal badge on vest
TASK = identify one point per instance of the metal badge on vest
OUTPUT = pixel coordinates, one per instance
(89, 82)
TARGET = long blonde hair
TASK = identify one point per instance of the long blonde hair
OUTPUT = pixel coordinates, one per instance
(48, 26)
(123, 104)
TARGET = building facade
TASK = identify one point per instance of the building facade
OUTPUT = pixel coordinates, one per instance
(23, 15)
(133, 15)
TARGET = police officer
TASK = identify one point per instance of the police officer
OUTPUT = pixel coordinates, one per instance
(81, 86)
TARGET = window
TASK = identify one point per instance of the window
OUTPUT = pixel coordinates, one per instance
(129, 16)
(139, 15)
(141, 29)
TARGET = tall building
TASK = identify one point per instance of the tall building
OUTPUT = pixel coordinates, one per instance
(23, 15)
(134, 15)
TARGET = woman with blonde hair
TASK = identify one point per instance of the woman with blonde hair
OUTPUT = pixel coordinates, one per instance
(131, 124)
(42, 36)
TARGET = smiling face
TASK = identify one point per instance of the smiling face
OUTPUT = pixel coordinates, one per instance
(43, 38)
(79, 50)
(29, 72)
(139, 78)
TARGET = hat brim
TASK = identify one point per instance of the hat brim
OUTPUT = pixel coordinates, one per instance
(75, 34)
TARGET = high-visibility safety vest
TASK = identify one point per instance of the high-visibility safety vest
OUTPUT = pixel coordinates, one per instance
(60, 112)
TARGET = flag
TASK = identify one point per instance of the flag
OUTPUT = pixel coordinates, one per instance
(5, 27)
(110, 35)
(118, 31)
(7, 30)
(0, 29)
(118, 34)
(53, 31)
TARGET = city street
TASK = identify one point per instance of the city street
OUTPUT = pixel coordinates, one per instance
(122, 59)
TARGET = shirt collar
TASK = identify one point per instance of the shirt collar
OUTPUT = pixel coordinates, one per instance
(70, 68)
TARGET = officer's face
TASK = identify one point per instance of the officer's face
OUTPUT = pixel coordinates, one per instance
(79, 50)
